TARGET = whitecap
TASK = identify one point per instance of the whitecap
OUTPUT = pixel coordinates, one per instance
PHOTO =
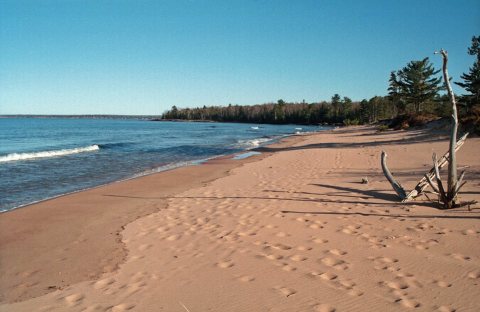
(48, 154)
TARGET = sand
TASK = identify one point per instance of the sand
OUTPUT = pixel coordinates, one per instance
(293, 229)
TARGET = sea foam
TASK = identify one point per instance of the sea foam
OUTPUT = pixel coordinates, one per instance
(47, 154)
(249, 144)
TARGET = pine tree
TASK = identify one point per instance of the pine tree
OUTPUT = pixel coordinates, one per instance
(472, 79)
(336, 102)
(394, 93)
(418, 83)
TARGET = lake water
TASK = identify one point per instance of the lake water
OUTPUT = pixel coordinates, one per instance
(42, 158)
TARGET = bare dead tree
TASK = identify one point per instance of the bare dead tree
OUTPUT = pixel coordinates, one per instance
(446, 197)
(423, 183)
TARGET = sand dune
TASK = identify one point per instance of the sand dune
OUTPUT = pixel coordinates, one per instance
(294, 231)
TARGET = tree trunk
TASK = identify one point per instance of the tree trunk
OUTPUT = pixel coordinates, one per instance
(452, 164)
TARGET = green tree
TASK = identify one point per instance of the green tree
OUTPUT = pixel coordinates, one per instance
(279, 111)
(394, 94)
(417, 83)
(471, 80)
(346, 106)
(364, 112)
(336, 102)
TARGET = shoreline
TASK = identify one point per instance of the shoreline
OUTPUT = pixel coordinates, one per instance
(18, 220)
(290, 229)
(156, 170)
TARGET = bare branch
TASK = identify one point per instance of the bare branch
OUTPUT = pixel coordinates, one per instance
(396, 186)
(434, 187)
(460, 180)
(459, 186)
(441, 190)
(423, 183)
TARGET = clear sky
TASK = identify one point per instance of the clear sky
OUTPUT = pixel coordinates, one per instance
(142, 57)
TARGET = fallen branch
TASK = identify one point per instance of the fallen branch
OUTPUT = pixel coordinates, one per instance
(434, 187)
(396, 185)
(423, 183)
(441, 191)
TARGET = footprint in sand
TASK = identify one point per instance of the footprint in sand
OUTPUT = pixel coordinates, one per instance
(408, 303)
(103, 283)
(474, 274)
(225, 264)
(334, 263)
(281, 247)
(246, 278)
(355, 293)
(445, 309)
(123, 307)
(470, 232)
(74, 299)
(287, 292)
(328, 276)
(48, 308)
(300, 219)
(135, 287)
(304, 248)
(410, 279)
(440, 283)
(396, 285)
(173, 237)
(337, 252)
(138, 276)
(298, 258)
(320, 241)
(274, 257)
(144, 247)
(460, 257)
(351, 229)
(94, 308)
(324, 308)
(282, 234)
(288, 268)
(383, 260)
(346, 284)
(384, 263)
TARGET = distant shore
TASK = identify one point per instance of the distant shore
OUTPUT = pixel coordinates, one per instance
(136, 117)
(290, 229)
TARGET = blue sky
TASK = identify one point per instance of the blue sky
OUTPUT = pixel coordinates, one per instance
(142, 57)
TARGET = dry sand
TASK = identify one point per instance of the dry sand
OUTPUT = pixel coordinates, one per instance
(293, 231)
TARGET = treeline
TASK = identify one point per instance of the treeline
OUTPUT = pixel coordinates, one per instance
(337, 111)
(414, 90)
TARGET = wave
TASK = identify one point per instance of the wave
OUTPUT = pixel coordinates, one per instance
(249, 144)
(48, 154)
(114, 145)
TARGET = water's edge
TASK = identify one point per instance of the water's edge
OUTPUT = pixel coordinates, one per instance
(168, 168)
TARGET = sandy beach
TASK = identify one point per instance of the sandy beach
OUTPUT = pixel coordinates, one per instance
(292, 229)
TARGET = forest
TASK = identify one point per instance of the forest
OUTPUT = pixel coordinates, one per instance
(415, 94)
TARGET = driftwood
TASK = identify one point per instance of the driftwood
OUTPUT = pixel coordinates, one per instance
(396, 185)
(452, 164)
(423, 183)
(447, 197)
